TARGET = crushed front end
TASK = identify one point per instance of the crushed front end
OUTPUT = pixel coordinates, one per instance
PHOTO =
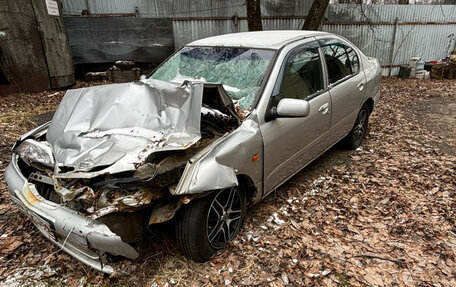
(108, 163)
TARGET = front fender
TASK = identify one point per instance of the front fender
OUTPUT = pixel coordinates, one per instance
(34, 133)
(217, 166)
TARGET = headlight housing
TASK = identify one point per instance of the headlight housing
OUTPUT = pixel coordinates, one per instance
(32, 152)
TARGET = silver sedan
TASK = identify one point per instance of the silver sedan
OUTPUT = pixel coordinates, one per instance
(214, 129)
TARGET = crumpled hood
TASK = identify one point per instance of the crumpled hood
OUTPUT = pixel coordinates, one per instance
(113, 128)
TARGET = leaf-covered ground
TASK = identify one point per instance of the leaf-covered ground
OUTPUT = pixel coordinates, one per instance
(383, 215)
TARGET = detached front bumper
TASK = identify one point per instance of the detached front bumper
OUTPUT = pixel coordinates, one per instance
(85, 239)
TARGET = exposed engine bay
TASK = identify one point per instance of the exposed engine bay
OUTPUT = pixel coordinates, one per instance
(121, 149)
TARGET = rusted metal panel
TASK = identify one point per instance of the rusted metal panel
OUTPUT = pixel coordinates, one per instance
(108, 39)
(21, 54)
(123, 76)
(55, 44)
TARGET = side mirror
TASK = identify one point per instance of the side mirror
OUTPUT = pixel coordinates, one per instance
(293, 108)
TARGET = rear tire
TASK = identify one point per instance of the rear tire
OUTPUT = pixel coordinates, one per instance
(354, 139)
(207, 224)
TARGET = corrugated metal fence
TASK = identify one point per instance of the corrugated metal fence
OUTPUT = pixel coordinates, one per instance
(394, 33)
(391, 33)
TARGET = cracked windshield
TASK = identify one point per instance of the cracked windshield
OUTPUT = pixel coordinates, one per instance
(240, 70)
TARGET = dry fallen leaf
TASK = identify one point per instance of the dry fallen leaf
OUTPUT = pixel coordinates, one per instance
(380, 215)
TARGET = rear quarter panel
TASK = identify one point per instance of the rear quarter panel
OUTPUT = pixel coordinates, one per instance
(373, 73)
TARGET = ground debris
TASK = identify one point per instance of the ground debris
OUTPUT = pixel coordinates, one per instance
(383, 215)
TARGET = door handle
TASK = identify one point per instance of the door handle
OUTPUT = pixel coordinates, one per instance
(324, 108)
(361, 86)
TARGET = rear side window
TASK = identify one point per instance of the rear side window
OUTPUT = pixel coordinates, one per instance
(302, 76)
(341, 61)
(353, 58)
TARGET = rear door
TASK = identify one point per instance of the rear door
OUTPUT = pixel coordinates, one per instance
(291, 143)
(346, 85)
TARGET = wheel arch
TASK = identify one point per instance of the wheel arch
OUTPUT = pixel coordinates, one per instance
(247, 185)
(370, 104)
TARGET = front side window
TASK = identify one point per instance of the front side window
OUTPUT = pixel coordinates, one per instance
(302, 75)
(341, 61)
(241, 71)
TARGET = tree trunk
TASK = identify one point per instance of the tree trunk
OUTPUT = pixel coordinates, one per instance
(254, 15)
(350, 1)
(403, 2)
(315, 15)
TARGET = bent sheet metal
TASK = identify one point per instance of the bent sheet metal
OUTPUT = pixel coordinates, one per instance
(143, 117)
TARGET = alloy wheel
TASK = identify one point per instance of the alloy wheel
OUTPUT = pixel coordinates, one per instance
(224, 217)
(360, 126)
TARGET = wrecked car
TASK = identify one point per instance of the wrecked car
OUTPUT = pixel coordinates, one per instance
(214, 129)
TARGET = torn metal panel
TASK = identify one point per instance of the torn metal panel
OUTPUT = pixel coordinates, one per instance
(143, 118)
(37, 154)
(93, 145)
(138, 138)
(164, 212)
(218, 165)
(77, 235)
(34, 133)
(222, 101)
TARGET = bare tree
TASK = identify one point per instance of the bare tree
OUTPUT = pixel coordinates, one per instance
(254, 15)
(315, 15)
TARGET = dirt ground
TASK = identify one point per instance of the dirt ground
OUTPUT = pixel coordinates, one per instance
(383, 215)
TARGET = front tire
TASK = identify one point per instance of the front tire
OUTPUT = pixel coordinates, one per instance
(207, 224)
(354, 139)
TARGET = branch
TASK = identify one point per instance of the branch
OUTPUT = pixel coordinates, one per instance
(398, 262)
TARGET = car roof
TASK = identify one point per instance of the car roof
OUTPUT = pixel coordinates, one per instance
(275, 39)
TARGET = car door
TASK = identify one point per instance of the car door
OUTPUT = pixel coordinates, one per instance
(346, 85)
(291, 143)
